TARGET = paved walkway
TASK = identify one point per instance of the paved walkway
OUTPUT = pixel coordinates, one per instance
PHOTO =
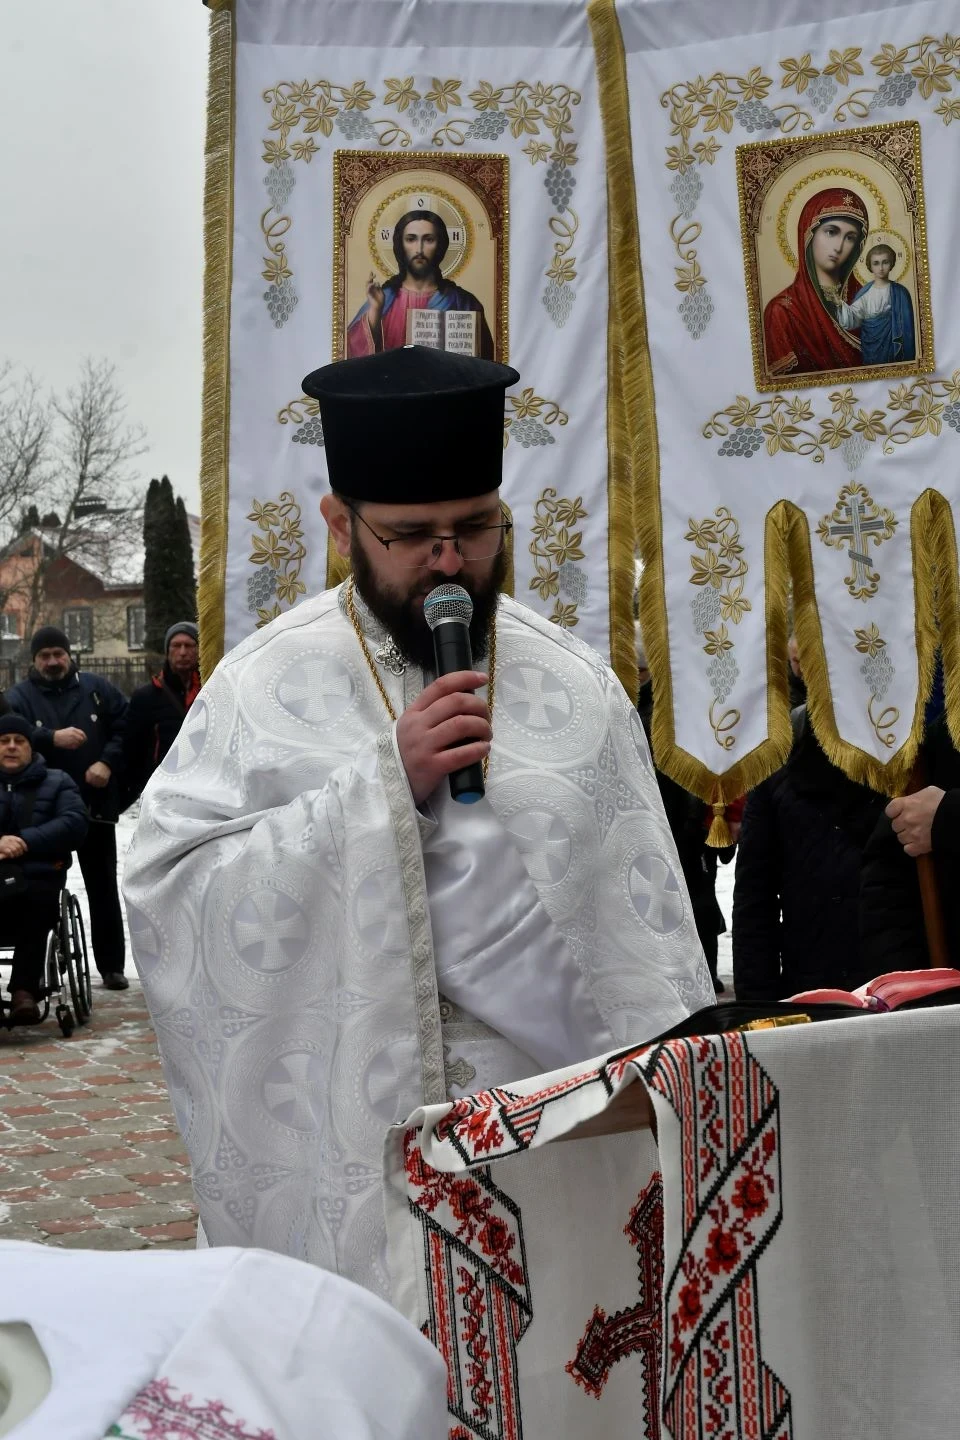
(89, 1152)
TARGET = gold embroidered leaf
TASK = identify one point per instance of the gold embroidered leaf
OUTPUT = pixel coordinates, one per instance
(566, 546)
(524, 119)
(275, 269)
(679, 158)
(843, 64)
(800, 409)
(267, 550)
(798, 73)
(564, 615)
(718, 112)
(304, 149)
(890, 60)
(289, 587)
(570, 511)
(708, 569)
(949, 48)
(274, 151)
(546, 583)
(901, 397)
(718, 641)
(755, 85)
(319, 116)
(698, 91)
(834, 432)
(742, 412)
(706, 151)
(869, 641)
(702, 533)
(949, 110)
(871, 425)
(780, 434)
(356, 96)
(537, 150)
(265, 515)
(932, 75)
(564, 153)
(557, 118)
(284, 116)
(444, 93)
(733, 605)
(485, 97)
(401, 93)
(683, 119)
(925, 416)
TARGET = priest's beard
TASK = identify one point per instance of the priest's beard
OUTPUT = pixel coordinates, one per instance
(401, 612)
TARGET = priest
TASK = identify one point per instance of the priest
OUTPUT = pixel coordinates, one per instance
(327, 939)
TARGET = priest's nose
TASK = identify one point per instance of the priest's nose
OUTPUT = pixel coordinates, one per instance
(449, 561)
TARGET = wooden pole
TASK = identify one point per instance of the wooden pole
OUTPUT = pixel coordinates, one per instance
(933, 923)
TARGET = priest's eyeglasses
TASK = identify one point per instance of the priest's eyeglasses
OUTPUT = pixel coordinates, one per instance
(418, 551)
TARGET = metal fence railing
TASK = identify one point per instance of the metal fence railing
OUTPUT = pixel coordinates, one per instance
(125, 671)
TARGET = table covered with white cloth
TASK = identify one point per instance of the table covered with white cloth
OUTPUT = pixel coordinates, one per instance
(782, 1261)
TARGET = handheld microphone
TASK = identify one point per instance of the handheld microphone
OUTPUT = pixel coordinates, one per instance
(448, 611)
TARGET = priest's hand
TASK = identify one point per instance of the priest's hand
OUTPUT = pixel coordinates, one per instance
(445, 729)
(912, 819)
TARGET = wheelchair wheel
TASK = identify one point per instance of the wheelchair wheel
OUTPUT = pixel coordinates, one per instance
(81, 957)
(67, 962)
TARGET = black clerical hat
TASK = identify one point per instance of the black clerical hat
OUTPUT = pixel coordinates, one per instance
(413, 425)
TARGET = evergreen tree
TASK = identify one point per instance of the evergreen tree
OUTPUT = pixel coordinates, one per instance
(169, 593)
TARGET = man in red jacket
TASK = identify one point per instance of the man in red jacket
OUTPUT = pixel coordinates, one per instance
(159, 708)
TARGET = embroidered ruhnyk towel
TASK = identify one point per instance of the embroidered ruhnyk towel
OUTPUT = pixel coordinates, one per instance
(342, 140)
(800, 385)
(810, 1265)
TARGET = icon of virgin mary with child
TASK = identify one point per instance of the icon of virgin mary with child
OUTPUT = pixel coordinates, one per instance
(824, 320)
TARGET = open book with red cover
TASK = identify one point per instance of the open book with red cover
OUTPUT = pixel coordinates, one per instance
(887, 992)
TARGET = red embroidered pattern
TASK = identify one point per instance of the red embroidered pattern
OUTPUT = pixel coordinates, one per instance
(637, 1330)
(494, 1123)
(478, 1295)
(729, 1112)
(161, 1412)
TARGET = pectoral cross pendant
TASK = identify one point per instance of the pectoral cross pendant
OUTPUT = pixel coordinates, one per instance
(390, 657)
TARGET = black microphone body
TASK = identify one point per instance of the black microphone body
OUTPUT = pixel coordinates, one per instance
(452, 652)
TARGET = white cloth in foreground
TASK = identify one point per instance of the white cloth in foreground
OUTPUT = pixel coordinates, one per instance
(228, 1343)
(291, 912)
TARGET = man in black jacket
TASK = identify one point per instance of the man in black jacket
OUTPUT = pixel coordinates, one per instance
(42, 819)
(159, 708)
(79, 722)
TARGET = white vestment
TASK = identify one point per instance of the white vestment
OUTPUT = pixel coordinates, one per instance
(227, 1343)
(320, 957)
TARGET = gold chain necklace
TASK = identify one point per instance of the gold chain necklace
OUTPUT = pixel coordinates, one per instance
(358, 631)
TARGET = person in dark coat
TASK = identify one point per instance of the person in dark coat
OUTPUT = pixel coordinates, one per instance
(80, 720)
(159, 708)
(42, 818)
(892, 929)
(796, 894)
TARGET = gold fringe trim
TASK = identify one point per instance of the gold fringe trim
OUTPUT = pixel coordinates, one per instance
(217, 281)
(629, 380)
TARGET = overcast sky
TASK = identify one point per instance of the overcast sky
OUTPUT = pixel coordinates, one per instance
(101, 246)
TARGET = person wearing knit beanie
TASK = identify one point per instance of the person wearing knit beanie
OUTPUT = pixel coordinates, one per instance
(182, 627)
(48, 637)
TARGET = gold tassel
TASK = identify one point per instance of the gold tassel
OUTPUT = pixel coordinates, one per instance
(719, 836)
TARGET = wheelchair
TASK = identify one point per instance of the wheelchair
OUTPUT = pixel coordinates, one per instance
(66, 970)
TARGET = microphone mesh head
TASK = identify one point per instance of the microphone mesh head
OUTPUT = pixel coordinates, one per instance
(447, 602)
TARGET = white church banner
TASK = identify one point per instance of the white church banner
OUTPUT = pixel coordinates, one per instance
(337, 133)
(799, 422)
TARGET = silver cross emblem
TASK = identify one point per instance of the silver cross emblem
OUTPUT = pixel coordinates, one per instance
(390, 657)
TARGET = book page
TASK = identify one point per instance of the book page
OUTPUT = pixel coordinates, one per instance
(425, 327)
(461, 332)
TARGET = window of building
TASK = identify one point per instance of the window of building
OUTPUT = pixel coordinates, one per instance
(136, 627)
(9, 626)
(78, 627)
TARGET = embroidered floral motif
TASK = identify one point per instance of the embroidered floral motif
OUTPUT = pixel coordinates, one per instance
(730, 1193)
(162, 1412)
(557, 548)
(278, 548)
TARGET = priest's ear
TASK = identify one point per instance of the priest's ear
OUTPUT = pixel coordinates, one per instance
(337, 515)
